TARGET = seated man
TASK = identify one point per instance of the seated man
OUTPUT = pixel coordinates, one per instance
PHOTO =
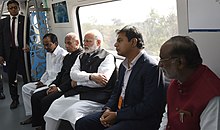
(193, 101)
(90, 81)
(138, 101)
(54, 62)
(42, 100)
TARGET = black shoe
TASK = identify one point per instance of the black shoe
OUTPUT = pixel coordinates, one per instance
(2, 96)
(38, 128)
(14, 104)
(27, 121)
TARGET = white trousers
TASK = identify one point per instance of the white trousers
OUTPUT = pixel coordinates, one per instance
(27, 91)
(70, 109)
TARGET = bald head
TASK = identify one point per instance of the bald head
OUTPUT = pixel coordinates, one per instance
(72, 42)
(183, 46)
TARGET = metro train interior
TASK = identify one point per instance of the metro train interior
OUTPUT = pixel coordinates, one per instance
(158, 20)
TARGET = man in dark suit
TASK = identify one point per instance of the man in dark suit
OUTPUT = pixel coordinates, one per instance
(12, 48)
(138, 100)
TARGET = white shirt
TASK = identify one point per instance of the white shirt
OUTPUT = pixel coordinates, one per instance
(209, 119)
(128, 71)
(16, 28)
(82, 77)
(54, 62)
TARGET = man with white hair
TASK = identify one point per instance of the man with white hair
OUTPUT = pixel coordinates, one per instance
(92, 84)
(41, 101)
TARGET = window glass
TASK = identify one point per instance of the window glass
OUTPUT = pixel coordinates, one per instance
(156, 19)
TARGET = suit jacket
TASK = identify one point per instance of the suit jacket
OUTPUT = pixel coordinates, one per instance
(144, 96)
(6, 37)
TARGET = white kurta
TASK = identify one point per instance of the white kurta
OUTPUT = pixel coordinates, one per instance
(54, 62)
(71, 108)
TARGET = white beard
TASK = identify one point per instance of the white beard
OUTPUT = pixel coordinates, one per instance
(90, 49)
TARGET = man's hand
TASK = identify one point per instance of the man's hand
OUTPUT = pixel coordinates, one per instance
(26, 48)
(52, 89)
(73, 84)
(99, 78)
(1, 60)
(40, 84)
(108, 118)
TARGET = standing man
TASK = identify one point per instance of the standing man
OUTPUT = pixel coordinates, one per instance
(54, 61)
(137, 103)
(42, 100)
(193, 101)
(12, 48)
(91, 83)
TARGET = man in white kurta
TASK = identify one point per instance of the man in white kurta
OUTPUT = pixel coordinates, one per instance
(54, 62)
(72, 108)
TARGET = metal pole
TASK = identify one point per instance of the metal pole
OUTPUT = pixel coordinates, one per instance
(3, 4)
(25, 45)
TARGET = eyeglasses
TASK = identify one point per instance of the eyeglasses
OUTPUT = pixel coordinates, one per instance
(88, 40)
(167, 59)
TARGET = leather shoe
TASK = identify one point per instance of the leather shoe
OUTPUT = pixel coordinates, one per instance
(2, 96)
(38, 128)
(27, 121)
(14, 104)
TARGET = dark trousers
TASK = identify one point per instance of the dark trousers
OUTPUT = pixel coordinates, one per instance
(92, 122)
(41, 102)
(1, 79)
(15, 65)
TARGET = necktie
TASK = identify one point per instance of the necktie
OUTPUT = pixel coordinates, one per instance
(13, 31)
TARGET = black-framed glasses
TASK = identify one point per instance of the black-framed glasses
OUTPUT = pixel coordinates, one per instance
(167, 59)
(88, 40)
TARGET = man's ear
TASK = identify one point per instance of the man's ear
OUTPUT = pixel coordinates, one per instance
(98, 42)
(134, 42)
(77, 42)
(181, 62)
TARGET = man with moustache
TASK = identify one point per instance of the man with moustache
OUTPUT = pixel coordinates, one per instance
(193, 96)
(137, 103)
(54, 61)
(42, 100)
(91, 84)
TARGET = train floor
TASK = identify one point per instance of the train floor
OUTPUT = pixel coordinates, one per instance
(10, 118)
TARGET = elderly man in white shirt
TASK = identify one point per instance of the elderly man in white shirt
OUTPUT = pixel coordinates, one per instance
(193, 94)
(91, 72)
(54, 61)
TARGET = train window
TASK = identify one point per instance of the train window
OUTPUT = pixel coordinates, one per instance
(156, 19)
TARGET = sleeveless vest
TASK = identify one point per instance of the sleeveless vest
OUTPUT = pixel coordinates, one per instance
(90, 64)
(187, 101)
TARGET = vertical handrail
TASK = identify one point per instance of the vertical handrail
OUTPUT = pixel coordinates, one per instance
(3, 4)
(25, 45)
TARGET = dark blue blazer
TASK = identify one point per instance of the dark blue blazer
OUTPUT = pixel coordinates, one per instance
(6, 37)
(144, 95)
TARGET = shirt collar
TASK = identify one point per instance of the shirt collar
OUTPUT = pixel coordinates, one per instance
(133, 62)
(13, 16)
(55, 52)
